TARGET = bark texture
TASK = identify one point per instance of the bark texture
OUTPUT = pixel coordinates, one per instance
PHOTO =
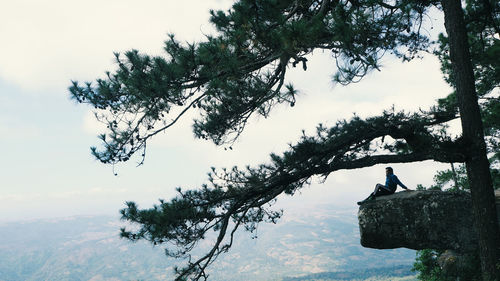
(483, 201)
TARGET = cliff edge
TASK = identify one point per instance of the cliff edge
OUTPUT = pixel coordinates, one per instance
(420, 220)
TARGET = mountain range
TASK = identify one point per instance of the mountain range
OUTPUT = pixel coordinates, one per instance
(320, 243)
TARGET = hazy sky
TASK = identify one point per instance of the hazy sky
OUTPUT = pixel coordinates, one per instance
(46, 169)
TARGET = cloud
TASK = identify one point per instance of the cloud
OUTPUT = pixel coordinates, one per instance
(10, 131)
(47, 43)
(68, 194)
(73, 201)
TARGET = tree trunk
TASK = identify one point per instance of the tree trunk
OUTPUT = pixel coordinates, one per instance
(483, 198)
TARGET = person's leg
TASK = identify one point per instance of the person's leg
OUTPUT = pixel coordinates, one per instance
(382, 190)
(377, 188)
(372, 195)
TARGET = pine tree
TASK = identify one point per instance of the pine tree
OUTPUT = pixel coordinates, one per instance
(482, 25)
(241, 72)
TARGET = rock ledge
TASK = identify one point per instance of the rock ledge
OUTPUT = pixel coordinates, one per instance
(419, 220)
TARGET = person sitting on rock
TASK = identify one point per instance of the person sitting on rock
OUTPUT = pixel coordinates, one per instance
(391, 184)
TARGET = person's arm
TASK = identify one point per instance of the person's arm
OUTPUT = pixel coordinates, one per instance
(400, 183)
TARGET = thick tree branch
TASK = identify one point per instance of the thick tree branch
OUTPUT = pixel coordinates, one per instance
(244, 196)
(233, 72)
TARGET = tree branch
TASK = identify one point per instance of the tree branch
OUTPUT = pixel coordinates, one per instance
(243, 195)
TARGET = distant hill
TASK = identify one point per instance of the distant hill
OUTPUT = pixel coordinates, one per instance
(399, 272)
(304, 244)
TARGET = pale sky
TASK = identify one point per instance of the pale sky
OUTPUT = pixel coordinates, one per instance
(46, 169)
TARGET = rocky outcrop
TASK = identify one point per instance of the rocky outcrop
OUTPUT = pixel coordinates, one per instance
(419, 220)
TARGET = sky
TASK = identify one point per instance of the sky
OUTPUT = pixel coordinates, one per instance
(46, 169)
